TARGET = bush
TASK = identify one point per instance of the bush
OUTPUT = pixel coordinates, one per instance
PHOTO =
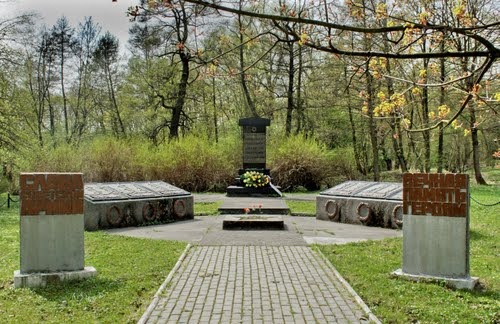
(191, 163)
(194, 164)
(299, 161)
(109, 160)
(342, 166)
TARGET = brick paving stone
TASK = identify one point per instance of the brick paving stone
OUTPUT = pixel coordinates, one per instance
(255, 284)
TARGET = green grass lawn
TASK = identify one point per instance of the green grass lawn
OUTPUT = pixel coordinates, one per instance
(206, 208)
(367, 267)
(296, 208)
(130, 271)
(302, 208)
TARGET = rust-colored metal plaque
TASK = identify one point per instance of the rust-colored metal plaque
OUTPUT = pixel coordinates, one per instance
(436, 194)
(51, 194)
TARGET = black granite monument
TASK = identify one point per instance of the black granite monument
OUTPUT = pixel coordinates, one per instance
(254, 158)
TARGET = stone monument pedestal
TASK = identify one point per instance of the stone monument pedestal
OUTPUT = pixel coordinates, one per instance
(254, 159)
(240, 191)
(436, 229)
(455, 283)
(253, 222)
(51, 230)
(41, 279)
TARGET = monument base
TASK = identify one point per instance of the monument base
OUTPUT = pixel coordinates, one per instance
(239, 191)
(456, 283)
(253, 222)
(34, 280)
(263, 206)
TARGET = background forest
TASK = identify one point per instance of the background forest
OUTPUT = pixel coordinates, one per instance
(167, 107)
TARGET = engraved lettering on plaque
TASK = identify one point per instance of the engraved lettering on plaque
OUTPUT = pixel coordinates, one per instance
(435, 194)
(51, 194)
(254, 147)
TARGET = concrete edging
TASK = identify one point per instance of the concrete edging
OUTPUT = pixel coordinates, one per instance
(144, 318)
(371, 317)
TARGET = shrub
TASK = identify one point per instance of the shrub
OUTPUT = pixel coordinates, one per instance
(108, 159)
(194, 164)
(63, 158)
(191, 163)
(299, 161)
(342, 166)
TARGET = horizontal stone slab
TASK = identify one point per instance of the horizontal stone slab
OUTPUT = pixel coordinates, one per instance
(255, 206)
(367, 189)
(111, 205)
(131, 190)
(239, 191)
(253, 222)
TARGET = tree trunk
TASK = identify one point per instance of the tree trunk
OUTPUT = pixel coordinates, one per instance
(357, 155)
(63, 92)
(372, 124)
(289, 107)
(113, 97)
(181, 97)
(214, 102)
(370, 92)
(251, 104)
(425, 117)
(475, 147)
(300, 107)
(442, 101)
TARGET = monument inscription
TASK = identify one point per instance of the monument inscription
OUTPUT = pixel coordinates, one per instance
(51, 229)
(254, 142)
(436, 228)
(254, 158)
(51, 194)
(254, 147)
(435, 194)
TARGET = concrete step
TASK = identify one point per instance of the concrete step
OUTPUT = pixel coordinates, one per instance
(239, 191)
(253, 222)
(255, 206)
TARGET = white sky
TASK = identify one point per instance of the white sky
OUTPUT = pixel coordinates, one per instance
(110, 15)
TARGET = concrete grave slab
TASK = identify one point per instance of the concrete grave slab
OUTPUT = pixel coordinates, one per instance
(121, 204)
(362, 203)
(253, 222)
(257, 206)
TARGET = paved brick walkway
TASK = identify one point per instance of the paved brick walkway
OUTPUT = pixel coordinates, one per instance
(255, 284)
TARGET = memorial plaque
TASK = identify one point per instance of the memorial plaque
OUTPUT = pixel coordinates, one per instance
(254, 142)
(51, 229)
(131, 190)
(436, 228)
(362, 202)
(122, 204)
(51, 194)
(366, 189)
(254, 159)
(254, 148)
(435, 194)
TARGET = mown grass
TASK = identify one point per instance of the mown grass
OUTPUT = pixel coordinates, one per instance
(303, 208)
(206, 208)
(130, 271)
(367, 267)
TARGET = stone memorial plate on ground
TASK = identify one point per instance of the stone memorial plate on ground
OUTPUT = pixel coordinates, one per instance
(131, 190)
(362, 202)
(267, 206)
(253, 222)
(121, 204)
